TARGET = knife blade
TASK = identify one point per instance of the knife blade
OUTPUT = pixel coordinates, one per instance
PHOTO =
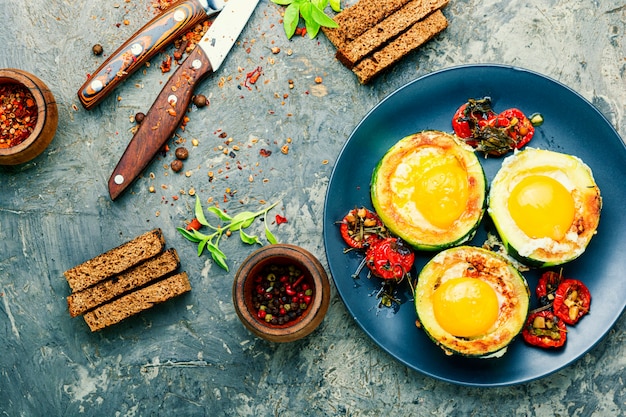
(174, 22)
(169, 108)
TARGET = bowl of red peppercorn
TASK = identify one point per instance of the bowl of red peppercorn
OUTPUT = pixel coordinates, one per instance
(281, 292)
(28, 116)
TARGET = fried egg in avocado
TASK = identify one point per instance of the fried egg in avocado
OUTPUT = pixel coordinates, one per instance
(545, 206)
(471, 301)
(430, 190)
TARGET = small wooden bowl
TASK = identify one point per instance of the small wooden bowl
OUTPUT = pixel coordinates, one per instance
(47, 118)
(244, 288)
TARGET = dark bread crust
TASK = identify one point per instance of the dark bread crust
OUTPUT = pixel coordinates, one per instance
(418, 34)
(136, 277)
(137, 301)
(116, 260)
(356, 19)
(382, 33)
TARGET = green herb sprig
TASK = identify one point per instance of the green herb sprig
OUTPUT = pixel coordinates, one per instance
(311, 11)
(236, 223)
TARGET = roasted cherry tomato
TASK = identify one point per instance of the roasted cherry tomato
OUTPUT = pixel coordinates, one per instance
(471, 117)
(547, 285)
(516, 125)
(390, 258)
(361, 227)
(571, 300)
(544, 329)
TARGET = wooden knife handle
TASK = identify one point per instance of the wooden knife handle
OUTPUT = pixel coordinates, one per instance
(160, 122)
(143, 45)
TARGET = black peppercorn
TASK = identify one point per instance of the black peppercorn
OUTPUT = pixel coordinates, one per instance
(176, 165)
(139, 117)
(97, 49)
(182, 153)
(200, 100)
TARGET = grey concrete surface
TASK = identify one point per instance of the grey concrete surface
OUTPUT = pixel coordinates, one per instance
(192, 357)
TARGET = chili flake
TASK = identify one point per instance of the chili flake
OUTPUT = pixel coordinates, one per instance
(18, 114)
(252, 77)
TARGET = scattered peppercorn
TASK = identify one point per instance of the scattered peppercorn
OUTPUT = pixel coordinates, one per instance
(282, 293)
(200, 100)
(176, 165)
(97, 49)
(181, 153)
(139, 117)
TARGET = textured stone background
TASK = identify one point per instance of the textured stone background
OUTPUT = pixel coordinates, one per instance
(192, 356)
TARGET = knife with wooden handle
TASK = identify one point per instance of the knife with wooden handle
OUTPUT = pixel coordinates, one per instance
(143, 45)
(169, 108)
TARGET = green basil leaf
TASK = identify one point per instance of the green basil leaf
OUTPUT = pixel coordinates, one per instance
(335, 5)
(218, 256)
(199, 212)
(321, 4)
(188, 235)
(312, 28)
(270, 237)
(249, 239)
(241, 220)
(201, 246)
(282, 2)
(305, 10)
(291, 18)
(219, 213)
(321, 18)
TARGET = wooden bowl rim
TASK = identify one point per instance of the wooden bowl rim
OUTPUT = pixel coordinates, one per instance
(284, 253)
(32, 84)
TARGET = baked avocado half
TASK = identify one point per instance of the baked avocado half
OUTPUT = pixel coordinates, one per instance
(430, 190)
(545, 206)
(471, 301)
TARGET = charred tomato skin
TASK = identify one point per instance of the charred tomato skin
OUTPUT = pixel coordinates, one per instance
(578, 293)
(357, 227)
(546, 287)
(471, 117)
(390, 258)
(555, 337)
(516, 125)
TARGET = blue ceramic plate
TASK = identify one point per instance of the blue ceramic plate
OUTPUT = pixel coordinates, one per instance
(572, 125)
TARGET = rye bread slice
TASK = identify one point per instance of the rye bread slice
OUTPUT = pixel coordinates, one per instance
(137, 301)
(136, 277)
(116, 260)
(356, 19)
(418, 34)
(380, 34)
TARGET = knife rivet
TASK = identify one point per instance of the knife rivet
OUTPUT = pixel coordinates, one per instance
(179, 15)
(136, 49)
(172, 99)
(96, 85)
(196, 64)
(119, 179)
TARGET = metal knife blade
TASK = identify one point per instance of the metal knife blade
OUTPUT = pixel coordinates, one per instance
(169, 108)
(143, 45)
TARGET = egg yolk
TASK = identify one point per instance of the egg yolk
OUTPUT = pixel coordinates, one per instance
(465, 307)
(439, 189)
(542, 207)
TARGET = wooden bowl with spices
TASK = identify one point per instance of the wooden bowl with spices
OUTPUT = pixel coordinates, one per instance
(281, 292)
(28, 116)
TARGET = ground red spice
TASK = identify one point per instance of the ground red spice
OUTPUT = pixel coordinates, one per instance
(18, 114)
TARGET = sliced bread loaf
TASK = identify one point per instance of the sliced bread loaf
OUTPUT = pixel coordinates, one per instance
(115, 260)
(356, 19)
(137, 301)
(136, 277)
(422, 31)
(392, 26)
